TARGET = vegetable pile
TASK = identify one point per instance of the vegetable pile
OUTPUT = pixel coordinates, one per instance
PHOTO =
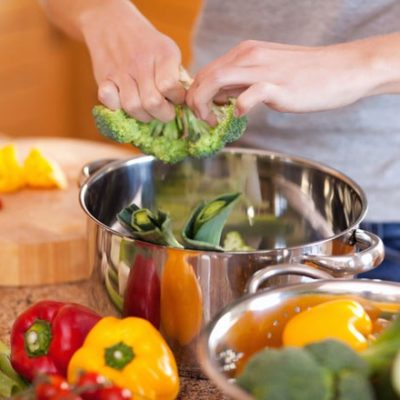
(67, 351)
(184, 136)
(328, 369)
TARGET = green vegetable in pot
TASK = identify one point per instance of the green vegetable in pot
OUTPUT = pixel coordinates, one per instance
(234, 242)
(184, 136)
(152, 227)
(204, 228)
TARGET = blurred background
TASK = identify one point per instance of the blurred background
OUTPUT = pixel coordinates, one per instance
(46, 82)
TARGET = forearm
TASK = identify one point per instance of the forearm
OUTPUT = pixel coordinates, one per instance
(382, 58)
(73, 16)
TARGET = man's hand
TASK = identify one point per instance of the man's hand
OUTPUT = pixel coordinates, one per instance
(136, 67)
(290, 78)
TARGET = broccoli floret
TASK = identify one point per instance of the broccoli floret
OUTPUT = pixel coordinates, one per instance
(324, 370)
(234, 242)
(337, 356)
(350, 371)
(169, 151)
(173, 141)
(228, 129)
(287, 373)
(352, 385)
(116, 125)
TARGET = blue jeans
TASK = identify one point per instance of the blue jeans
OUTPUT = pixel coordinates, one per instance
(389, 270)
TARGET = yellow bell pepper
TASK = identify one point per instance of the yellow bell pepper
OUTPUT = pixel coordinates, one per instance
(132, 354)
(181, 298)
(11, 171)
(340, 319)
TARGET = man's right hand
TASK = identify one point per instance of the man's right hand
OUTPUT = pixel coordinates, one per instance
(136, 67)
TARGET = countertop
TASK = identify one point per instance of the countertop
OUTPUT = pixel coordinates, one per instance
(15, 300)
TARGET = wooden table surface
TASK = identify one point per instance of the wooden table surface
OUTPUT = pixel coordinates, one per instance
(15, 300)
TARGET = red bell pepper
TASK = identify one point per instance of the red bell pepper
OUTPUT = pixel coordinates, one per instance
(46, 335)
(142, 294)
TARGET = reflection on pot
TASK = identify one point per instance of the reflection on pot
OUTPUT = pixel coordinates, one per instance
(181, 298)
(142, 294)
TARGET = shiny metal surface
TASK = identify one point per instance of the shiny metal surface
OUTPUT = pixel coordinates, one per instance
(265, 274)
(216, 352)
(291, 211)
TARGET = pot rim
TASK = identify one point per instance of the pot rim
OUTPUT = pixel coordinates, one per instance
(114, 165)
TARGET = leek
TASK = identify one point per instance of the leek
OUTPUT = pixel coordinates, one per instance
(152, 227)
(204, 228)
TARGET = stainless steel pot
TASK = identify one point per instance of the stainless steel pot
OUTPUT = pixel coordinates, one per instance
(256, 321)
(292, 211)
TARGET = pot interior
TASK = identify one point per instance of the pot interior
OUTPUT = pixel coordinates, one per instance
(285, 202)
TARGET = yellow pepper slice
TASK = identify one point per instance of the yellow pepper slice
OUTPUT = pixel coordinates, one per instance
(340, 319)
(11, 171)
(41, 172)
(132, 354)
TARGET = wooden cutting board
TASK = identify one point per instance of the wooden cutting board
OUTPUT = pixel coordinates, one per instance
(43, 232)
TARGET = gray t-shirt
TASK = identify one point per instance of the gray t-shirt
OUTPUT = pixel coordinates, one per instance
(361, 140)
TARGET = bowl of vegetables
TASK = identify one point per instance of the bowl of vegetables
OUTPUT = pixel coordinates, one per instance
(327, 339)
(176, 243)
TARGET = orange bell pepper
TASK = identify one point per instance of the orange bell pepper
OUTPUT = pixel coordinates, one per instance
(181, 298)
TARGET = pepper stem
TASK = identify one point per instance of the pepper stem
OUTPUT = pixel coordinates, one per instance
(118, 356)
(38, 338)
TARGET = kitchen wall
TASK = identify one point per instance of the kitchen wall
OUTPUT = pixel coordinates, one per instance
(46, 84)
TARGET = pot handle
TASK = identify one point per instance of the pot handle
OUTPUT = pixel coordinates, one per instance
(90, 168)
(371, 255)
(263, 275)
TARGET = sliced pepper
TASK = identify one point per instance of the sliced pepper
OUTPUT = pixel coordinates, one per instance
(43, 173)
(44, 337)
(340, 319)
(132, 354)
(181, 298)
(11, 171)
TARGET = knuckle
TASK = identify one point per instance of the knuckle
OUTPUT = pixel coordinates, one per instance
(108, 95)
(167, 85)
(198, 79)
(103, 94)
(248, 44)
(216, 77)
(153, 102)
(131, 105)
(263, 88)
(255, 53)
